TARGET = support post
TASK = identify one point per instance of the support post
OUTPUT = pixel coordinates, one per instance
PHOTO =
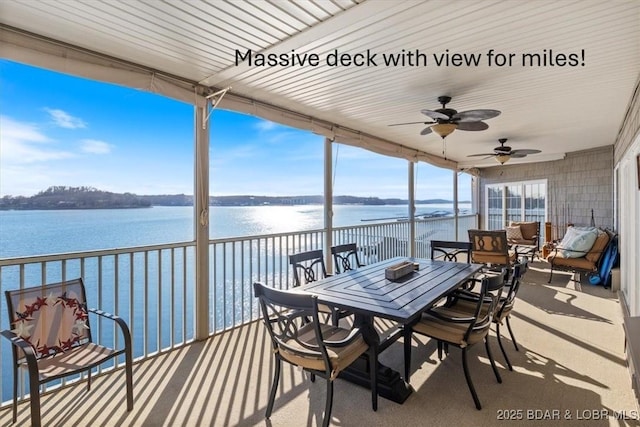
(328, 204)
(412, 210)
(201, 224)
(456, 211)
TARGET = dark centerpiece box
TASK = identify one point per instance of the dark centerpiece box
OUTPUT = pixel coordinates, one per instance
(399, 270)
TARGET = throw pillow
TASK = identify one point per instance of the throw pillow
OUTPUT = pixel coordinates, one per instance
(577, 241)
(514, 233)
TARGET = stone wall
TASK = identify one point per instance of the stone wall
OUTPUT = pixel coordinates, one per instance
(582, 181)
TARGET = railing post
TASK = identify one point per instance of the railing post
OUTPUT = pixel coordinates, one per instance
(201, 224)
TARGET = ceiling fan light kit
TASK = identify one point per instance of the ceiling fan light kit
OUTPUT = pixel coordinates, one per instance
(502, 158)
(445, 120)
(444, 129)
(503, 153)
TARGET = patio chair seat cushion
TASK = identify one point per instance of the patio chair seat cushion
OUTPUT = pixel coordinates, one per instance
(482, 257)
(443, 330)
(80, 357)
(559, 260)
(340, 357)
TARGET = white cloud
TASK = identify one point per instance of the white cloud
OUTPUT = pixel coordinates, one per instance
(22, 143)
(64, 119)
(266, 125)
(93, 146)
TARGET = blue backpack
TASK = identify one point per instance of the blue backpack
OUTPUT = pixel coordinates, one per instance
(608, 260)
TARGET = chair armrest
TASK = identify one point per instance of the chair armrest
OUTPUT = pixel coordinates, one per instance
(450, 319)
(465, 295)
(25, 346)
(353, 335)
(19, 342)
(121, 323)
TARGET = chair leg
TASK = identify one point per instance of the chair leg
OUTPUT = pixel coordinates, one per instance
(504, 353)
(15, 393)
(88, 379)
(34, 397)
(493, 362)
(513, 338)
(274, 388)
(312, 377)
(128, 372)
(373, 371)
(550, 274)
(328, 404)
(439, 350)
(407, 352)
(468, 378)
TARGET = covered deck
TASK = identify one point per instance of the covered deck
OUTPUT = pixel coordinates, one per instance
(570, 370)
(212, 372)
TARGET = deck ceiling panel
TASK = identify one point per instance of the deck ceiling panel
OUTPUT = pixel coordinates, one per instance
(556, 109)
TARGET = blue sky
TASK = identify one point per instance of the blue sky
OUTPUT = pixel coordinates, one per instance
(57, 129)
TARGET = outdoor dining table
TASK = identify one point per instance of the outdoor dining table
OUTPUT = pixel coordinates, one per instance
(367, 293)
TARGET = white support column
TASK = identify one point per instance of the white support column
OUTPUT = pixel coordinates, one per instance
(475, 199)
(412, 209)
(328, 204)
(201, 224)
(456, 211)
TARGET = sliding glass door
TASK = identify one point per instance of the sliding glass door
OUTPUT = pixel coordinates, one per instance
(515, 201)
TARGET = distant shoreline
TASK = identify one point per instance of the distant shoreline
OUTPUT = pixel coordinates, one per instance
(72, 198)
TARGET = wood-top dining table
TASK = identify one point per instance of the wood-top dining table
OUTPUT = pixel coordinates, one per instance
(367, 293)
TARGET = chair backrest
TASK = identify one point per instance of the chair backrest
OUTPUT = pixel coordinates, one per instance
(345, 257)
(308, 267)
(451, 251)
(489, 247)
(285, 315)
(530, 230)
(491, 285)
(52, 318)
(507, 303)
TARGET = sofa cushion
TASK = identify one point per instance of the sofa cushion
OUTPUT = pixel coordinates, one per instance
(598, 246)
(528, 229)
(577, 241)
(514, 233)
(583, 263)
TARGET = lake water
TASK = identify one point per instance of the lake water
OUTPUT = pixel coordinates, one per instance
(24, 233)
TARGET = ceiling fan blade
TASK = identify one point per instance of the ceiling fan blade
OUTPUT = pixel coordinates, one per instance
(472, 126)
(475, 115)
(412, 123)
(518, 155)
(525, 152)
(426, 131)
(435, 115)
(478, 155)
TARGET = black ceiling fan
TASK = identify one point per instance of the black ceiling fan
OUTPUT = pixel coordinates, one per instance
(446, 120)
(503, 153)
